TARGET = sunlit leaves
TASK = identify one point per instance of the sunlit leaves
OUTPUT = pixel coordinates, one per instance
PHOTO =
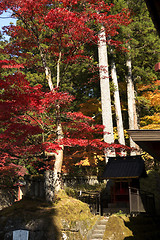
(28, 118)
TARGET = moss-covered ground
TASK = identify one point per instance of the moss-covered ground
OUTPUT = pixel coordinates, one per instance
(116, 229)
(141, 227)
(66, 215)
(72, 218)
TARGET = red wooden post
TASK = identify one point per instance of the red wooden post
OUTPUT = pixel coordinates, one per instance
(19, 193)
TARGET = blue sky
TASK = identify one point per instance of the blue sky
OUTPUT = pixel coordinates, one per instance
(5, 19)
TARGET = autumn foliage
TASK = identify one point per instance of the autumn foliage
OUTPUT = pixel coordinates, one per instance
(28, 123)
(150, 94)
(48, 32)
(58, 29)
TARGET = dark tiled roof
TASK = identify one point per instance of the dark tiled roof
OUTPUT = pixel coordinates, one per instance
(125, 167)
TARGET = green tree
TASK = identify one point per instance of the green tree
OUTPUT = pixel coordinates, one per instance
(144, 43)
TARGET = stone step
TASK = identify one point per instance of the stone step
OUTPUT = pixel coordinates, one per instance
(95, 233)
(98, 236)
(103, 222)
(99, 230)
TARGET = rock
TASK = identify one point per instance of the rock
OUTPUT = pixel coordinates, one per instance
(116, 229)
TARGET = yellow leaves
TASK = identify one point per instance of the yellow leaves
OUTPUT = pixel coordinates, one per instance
(90, 107)
(152, 126)
(89, 159)
(115, 133)
(155, 99)
(78, 158)
(150, 99)
(99, 157)
(142, 87)
(84, 162)
(152, 93)
(146, 156)
(151, 122)
(116, 137)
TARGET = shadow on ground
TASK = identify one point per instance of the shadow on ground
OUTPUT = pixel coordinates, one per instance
(39, 218)
(144, 227)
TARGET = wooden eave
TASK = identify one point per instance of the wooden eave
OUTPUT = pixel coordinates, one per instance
(145, 134)
(148, 140)
(120, 178)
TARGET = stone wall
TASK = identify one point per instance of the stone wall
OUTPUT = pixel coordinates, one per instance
(43, 186)
(69, 181)
(35, 187)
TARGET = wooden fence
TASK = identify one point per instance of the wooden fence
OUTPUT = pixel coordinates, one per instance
(141, 201)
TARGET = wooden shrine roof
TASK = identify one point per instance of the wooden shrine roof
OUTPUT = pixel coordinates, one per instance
(124, 167)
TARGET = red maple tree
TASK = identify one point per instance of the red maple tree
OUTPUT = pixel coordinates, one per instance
(28, 130)
(57, 30)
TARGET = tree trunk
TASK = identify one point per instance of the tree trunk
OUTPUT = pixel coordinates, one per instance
(58, 70)
(117, 103)
(59, 154)
(47, 69)
(132, 113)
(105, 92)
